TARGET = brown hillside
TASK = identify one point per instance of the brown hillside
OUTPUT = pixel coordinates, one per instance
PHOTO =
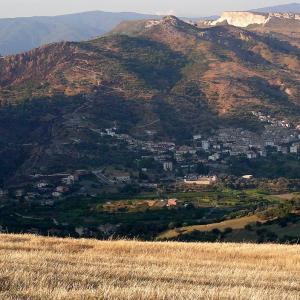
(180, 79)
(228, 67)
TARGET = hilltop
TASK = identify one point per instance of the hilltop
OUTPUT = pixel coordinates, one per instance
(43, 268)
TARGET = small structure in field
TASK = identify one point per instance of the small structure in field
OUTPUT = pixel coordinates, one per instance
(172, 202)
(248, 177)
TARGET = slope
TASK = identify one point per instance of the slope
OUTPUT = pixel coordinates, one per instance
(167, 76)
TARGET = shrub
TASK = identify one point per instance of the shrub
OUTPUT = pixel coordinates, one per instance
(228, 230)
(248, 227)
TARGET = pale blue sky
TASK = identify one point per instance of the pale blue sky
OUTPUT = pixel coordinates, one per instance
(14, 8)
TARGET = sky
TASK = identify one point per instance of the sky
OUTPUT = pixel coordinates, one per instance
(25, 8)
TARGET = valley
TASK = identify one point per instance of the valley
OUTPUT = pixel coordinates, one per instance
(159, 125)
(152, 154)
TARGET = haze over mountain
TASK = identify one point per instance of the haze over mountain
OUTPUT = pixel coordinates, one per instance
(286, 8)
(22, 34)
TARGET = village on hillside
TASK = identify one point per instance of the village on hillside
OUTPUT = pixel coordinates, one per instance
(200, 162)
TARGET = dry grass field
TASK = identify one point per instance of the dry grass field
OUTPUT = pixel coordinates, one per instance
(51, 268)
(238, 223)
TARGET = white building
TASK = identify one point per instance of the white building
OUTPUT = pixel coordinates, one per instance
(214, 157)
(42, 185)
(247, 177)
(205, 145)
(197, 137)
(294, 148)
(19, 193)
(168, 166)
(205, 180)
(251, 155)
(122, 178)
(70, 180)
(56, 194)
(270, 143)
(263, 153)
(3, 193)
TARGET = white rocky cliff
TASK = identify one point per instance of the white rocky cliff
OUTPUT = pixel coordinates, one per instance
(245, 19)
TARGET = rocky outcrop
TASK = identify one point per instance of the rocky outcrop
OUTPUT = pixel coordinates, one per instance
(245, 19)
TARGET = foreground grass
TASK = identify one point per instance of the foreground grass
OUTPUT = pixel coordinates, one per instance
(50, 268)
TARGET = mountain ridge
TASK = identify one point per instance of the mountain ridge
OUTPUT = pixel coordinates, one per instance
(22, 34)
(285, 8)
(171, 78)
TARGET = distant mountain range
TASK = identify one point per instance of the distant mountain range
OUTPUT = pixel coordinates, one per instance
(22, 34)
(286, 8)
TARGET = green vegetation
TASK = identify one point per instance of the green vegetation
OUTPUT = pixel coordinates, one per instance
(145, 216)
(274, 166)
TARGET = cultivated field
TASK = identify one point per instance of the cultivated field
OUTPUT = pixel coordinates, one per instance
(50, 268)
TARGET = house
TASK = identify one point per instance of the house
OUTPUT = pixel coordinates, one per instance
(122, 178)
(168, 166)
(247, 177)
(172, 202)
(70, 180)
(31, 196)
(205, 145)
(149, 185)
(62, 189)
(295, 148)
(185, 150)
(56, 194)
(263, 153)
(179, 157)
(214, 157)
(3, 193)
(150, 132)
(205, 180)
(79, 173)
(251, 155)
(110, 131)
(47, 202)
(41, 185)
(282, 149)
(270, 143)
(19, 193)
(197, 137)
